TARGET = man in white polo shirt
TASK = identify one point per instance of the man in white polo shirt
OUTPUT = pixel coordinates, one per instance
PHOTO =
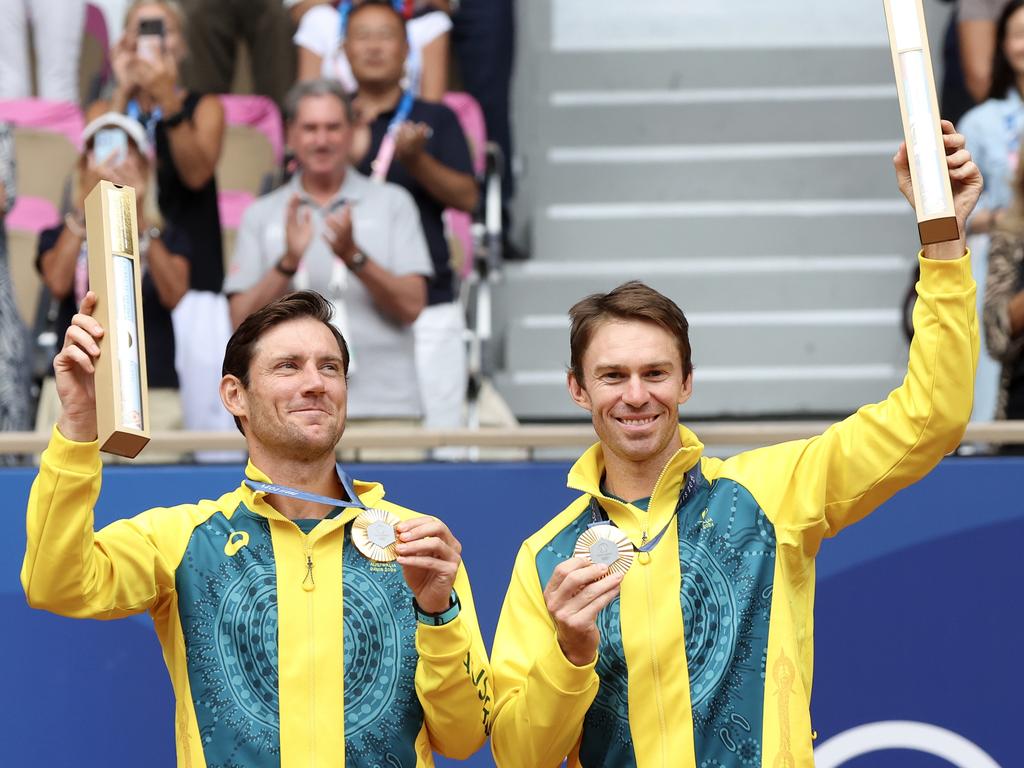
(357, 243)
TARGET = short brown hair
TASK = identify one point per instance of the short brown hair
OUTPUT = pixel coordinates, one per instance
(630, 301)
(242, 344)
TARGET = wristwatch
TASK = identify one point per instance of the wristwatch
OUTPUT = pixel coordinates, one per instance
(438, 619)
(358, 261)
(289, 273)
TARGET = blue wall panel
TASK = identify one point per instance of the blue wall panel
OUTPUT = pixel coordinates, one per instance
(918, 611)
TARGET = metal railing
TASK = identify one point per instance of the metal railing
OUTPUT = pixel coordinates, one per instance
(528, 438)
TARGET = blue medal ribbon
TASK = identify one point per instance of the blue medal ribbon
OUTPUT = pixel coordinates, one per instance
(599, 517)
(294, 493)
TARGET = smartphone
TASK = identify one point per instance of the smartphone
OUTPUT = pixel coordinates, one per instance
(110, 146)
(149, 43)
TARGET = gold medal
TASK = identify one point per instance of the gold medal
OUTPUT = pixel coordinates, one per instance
(374, 535)
(606, 545)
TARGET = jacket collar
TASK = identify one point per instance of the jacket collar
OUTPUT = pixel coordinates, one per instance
(585, 475)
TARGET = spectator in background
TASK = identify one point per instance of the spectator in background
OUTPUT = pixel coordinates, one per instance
(214, 30)
(186, 128)
(166, 259)
(993, 131)
(358, 243)
(321, 54)
(57, 27)
(976, 30)
(14, 387)
(484, 41)
(1004, 308)
(421, 147)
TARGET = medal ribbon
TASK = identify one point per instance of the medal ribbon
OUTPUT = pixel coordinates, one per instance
(599, 517)
(294, 493)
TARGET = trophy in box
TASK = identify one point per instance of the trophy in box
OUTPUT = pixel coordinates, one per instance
(915, 83)
(115, 276)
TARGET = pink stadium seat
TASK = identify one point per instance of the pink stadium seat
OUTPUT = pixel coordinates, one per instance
(61, 117)
(232, 204)
(258, 112)
(459, 223)
(471, 118)
(32, 214)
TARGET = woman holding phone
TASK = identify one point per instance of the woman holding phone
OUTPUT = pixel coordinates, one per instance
(185, 128)
(116, 148)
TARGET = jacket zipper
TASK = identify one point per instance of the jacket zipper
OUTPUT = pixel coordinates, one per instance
(656, 669)
(309, 585)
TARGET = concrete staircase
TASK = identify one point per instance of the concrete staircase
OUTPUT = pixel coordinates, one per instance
(745, 172)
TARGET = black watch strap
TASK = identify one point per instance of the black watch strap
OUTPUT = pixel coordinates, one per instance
(284, 270)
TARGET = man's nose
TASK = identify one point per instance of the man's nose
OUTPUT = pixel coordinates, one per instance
(636, 391)
(312, 379)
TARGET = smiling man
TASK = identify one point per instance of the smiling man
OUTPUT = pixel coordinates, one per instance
(296, 629)
(358, 243)
(665, 617)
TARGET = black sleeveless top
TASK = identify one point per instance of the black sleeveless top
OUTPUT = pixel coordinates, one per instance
(193, 212)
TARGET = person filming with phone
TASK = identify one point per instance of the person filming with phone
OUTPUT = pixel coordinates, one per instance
(185, 128)
(117, 149)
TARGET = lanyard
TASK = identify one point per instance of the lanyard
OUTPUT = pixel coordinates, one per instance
(386, 154)
(293, 493)
(599, 517)
(134, 111)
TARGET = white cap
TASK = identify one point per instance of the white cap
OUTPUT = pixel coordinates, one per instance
(130, 126)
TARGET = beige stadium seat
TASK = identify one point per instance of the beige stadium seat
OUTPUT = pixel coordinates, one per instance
(245, 160)
(44, 161)
(22, 260)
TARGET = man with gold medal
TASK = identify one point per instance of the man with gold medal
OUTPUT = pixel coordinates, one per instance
(664, 618)
(304, 617)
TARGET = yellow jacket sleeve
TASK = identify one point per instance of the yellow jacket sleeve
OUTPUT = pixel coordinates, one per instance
(821, 485)
(72, 571)
(453, 679)
(542, 696)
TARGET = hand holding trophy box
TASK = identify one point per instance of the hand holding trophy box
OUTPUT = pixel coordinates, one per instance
(115, 276)
(915, 83)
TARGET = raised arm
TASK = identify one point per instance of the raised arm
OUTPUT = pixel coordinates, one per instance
(821, 485)
(68, 569)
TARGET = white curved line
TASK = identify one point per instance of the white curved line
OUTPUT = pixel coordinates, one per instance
(902, 734)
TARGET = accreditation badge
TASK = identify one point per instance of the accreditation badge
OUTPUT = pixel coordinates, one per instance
(605, 544)
(374, 535)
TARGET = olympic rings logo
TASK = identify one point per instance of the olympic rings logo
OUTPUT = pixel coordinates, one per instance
(902, 734)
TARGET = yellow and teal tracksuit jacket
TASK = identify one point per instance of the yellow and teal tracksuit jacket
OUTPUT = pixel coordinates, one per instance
(284, 648)
(705, 658)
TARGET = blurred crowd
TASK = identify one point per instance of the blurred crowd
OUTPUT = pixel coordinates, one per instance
(353, 168)
(982, 90)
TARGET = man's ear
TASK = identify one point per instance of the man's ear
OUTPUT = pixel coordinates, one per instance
(234, 397)
(577, 392)
(686, 390)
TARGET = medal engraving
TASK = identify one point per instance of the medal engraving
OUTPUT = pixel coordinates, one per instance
(603, 552)
(380, 533)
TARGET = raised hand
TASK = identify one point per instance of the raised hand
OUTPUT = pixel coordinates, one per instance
(74, 370)
(339, 235)
(575, 595)
(429, 556)
(298, 231)
(411, 141)
(964, 176)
